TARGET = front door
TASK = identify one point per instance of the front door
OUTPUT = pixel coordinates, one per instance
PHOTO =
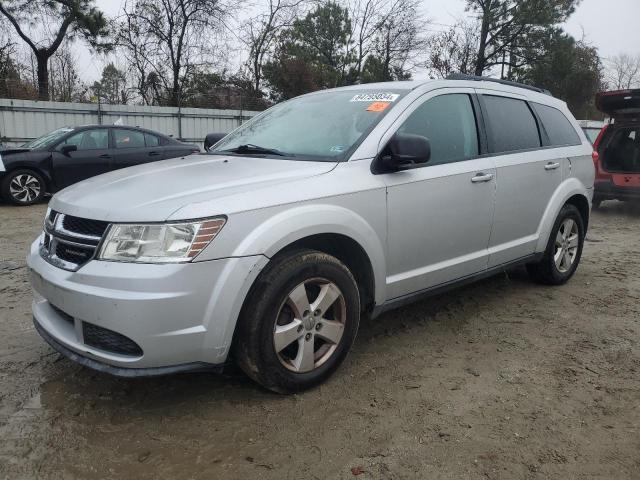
(92, 157)
(440, 215)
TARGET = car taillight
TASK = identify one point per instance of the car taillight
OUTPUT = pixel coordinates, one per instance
(596, 158)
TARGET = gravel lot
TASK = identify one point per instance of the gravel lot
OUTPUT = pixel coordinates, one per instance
(503, 379)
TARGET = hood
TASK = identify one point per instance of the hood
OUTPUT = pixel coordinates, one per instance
(8, 151)
(152, 192)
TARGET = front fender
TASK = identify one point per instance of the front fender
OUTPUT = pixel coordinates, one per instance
(276, 232)
(566, 190)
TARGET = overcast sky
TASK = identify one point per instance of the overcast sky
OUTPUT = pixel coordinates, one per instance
(611, 25)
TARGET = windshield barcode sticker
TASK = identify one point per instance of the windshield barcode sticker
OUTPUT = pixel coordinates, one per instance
(375, 97)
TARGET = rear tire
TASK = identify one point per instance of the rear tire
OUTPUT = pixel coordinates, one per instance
(564, 249)
(298, 321)
(22, 187)
(597, 202)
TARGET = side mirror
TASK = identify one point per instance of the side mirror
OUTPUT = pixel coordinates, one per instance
(67, 149)
(213, 138)
(405, 151)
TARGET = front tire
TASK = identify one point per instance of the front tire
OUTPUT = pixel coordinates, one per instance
(564, 249)
(298, 322)
(22, 187)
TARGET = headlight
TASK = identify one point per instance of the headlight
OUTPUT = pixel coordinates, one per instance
(159, 243)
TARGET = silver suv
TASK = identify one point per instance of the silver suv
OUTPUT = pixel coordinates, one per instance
(269, 248)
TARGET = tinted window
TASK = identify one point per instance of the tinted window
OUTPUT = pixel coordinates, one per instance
(89, 140)
(129, 139)
(151, 140)
(558, 128)
(513, 126)
(449, 123)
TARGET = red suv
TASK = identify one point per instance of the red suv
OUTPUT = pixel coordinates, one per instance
(617, 148)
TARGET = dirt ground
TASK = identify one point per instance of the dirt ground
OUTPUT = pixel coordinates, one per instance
(501, 380)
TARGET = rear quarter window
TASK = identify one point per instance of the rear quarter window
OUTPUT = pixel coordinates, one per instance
(558, 127)
(511, 123)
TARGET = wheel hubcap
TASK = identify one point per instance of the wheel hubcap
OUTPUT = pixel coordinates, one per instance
(566, 245)
(309, 325)
(24, 188)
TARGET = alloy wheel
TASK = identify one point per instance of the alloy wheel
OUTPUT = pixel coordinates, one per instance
(309, 325)
(566, 245)
(24, 188)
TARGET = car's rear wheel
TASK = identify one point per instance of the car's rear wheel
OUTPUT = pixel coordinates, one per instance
(23, 187)
(298, 322)
(564, 249)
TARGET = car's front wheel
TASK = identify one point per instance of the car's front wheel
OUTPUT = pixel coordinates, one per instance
(22, 187)
(298, 321)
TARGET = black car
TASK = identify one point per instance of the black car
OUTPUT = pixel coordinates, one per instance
(68, 155)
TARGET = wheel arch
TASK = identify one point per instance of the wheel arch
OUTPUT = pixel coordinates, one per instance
(571, 191)
(349, 252)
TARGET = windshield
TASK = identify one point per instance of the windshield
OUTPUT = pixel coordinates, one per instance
(48, 139)
(323, 126)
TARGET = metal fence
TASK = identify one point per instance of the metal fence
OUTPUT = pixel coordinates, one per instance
(23, 120)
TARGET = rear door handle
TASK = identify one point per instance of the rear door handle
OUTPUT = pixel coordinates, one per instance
(551, 166)
(482, 177)
(105, 155)
(154, 154)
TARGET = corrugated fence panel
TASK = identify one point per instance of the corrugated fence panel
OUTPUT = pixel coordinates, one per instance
(23, 120)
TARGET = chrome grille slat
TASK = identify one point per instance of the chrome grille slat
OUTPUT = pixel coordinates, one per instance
(67, 248)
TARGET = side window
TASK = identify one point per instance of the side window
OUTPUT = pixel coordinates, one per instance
(151, 140)
(448, 121)
(512, 125)
(558, 128)
(89, 140)
(128, 138)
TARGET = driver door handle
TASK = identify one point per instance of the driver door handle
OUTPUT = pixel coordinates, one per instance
(154, 154)
(482, 177)
(105, 155)
(551, 166)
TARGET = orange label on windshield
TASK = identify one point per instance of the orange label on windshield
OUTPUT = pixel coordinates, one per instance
(377, 106)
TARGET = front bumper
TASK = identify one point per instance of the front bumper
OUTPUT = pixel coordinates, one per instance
(182, 316)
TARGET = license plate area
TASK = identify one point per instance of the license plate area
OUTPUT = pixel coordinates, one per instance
(630, 180)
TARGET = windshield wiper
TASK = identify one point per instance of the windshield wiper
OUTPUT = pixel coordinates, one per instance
(250, 148)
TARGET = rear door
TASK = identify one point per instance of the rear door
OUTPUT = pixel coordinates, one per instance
(529, 170)
(93, 156)
(439, 215)
(135, 147)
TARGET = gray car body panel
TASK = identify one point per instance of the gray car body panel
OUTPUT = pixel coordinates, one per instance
(404, 222)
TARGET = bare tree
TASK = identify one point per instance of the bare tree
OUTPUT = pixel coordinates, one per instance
(623, 71)
(390, 31)
(262, 31)
(168, 40)
(453, 50)
(64, 82)
(66, 19)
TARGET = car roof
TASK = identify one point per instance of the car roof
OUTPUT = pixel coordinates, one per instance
(531, 93)
(127, 127)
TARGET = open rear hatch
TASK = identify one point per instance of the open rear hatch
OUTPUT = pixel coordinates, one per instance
(619, 148)
(621, 105)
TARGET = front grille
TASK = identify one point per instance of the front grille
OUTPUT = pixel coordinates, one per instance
(74, 254)
(70, 242)
(109, 341)
(84, 226)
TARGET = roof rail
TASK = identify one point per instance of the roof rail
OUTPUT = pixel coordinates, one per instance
(476, 78)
